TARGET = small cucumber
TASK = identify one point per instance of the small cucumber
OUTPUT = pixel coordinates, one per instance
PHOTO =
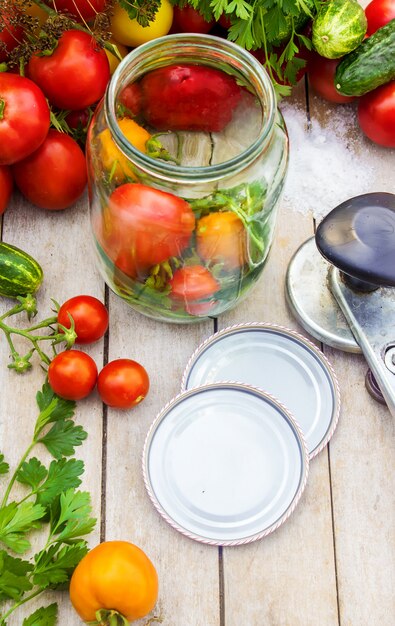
(20, 274)
(338, 28)
(370, 65)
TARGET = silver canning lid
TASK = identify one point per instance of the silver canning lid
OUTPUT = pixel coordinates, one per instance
(282, 363)
(225, 464)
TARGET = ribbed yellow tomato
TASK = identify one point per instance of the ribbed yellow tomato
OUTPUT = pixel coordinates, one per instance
(112, 158)
(131, 33)
(114, 578)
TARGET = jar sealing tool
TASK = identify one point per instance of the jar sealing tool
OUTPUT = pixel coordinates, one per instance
(339, 285)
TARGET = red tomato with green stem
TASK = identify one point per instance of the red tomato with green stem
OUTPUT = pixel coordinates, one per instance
(24, 117)
(55, 175)
(376, 115)
(189, 20)
(75, 75)
(143, 226)
(6, 186)
(193, 283)
(321, 76)
(123, 383)
(378, 13)
(72, 374)
(81, 10)
(90, 318)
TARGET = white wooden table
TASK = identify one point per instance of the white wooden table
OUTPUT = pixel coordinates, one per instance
(333, 562)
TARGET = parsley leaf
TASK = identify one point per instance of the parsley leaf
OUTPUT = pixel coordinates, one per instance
(55, 565)
(143, 11)
(44, 616)
(62, 438)
(4, 467)
(15, 521)
(32, 473)
(13, 579)
(52, 408)
(62, 475)
(74, 516)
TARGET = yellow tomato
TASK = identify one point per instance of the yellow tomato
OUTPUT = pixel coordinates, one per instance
(221, 238)
(131, 33)
(112, 158)
(112, 59)
(35, 11)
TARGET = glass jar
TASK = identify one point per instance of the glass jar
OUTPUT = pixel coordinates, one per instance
(187, 155)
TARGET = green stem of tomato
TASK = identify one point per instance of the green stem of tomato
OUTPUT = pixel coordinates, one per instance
(2, 108)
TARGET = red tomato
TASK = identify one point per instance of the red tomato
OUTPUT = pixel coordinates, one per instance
(131, 98)
(123, 383)
(6, 187)
(54, 176)
(90, 318)
(24, 117)
(190, 20)
(10, 37)
(321, 73)
(75, 75)
(224, 21)
(191, 284)
(144, 226)
(376, 115)
(81, 9)
(378, 13)
(72, 374)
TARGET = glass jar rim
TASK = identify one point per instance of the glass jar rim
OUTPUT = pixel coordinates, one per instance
(167, 169)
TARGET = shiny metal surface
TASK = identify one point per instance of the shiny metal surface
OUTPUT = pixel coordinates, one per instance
(312, 303)
(225, 464)
(371, 317)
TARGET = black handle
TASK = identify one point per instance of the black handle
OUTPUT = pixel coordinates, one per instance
(358, 237)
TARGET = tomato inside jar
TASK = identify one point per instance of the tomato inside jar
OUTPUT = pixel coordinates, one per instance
(187, 156)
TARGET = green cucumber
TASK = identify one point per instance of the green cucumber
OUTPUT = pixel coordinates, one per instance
(372, 64)
(338, 28)
(20, 274)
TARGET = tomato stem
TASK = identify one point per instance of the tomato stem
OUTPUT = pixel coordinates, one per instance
(109, 617)
(2, 107)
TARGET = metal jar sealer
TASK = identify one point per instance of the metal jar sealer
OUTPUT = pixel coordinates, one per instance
(340, 286)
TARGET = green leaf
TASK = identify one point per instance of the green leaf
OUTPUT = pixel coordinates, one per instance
(62, 474)
(13, 577)
(52, 408)
(143, 11)
(44, 616)
(63, 437)
(4, 467)
(15, 521)
(55, 565)
(74, 517)
(32, 473)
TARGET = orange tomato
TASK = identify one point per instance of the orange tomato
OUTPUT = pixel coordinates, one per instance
(221, 238)
(113, 160)
(115, 577)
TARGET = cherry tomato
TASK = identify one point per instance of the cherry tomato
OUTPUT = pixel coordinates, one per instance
(129, 32)
(112, 159)
(54, 176)
(376, 115)
(90, 318)
(131, 98)
(191, 284)
(189, 20)
(123, 383)
(221, 238)
(321, 74)
(75, 75)
(378, 13)
(24, 117)
(6, 186)
(72, 374)
(143, 226)
(81, 10)
(114, 576)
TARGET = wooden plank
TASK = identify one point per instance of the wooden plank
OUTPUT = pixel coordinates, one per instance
(60, 241)
(362, 453)
(289, 574)
(188, 571)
